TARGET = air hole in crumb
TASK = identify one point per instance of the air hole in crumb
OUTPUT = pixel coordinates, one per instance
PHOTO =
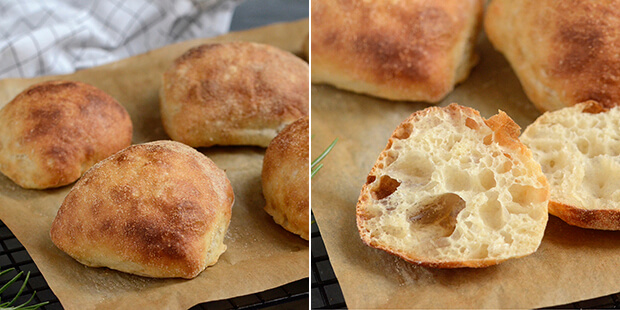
(404, 131)
(370, 179)
(487, 179)
(386, 187)
(583, 145)
(491, 212)
(481, 252)
(507, 237)
(470, 123)
(504, 167)
(525, 194)
(440, 211)
(488, 139)
(391, 157)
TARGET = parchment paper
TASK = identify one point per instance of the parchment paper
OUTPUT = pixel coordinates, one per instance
(571, 264)
(261, 255)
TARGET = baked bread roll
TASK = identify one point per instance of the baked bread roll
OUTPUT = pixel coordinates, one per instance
(578, 149)
(563, 52)
(237, 93)
(452, 189)
(54, 131)
(398, 49)
(158, 209)
(285, 178)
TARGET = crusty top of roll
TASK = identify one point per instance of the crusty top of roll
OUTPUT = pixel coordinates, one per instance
(394, 49)
(159, 209)
(285, 178)
(564, 52)
(233, 93)
(54, 131)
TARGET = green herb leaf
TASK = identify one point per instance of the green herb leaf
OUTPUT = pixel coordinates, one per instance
(9, 305)
(316, 165)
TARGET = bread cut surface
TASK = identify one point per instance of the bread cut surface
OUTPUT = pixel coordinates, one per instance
(52, 132)
(452, 189)
(414, 50)
(578, 148)
(564, 52)
(285, 178)
(159, 209)
(237, 93)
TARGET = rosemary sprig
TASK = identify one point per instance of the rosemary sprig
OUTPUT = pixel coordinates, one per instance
(316, 165)
(9, 304)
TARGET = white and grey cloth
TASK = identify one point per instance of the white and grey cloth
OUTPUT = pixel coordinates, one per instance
(43, 37)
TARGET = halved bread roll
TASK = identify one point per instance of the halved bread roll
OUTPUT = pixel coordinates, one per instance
(564, 52)
(414, 50)
(158, 209)
(452, 189)
(578, 148)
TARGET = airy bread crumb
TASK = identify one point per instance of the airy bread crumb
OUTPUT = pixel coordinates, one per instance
(578, 150)
(452, 189)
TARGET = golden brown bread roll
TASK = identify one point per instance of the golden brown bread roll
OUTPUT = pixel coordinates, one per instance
(285, 178)
(54, 131)
(452, 189)
(564, 52)
(394, 49)
(237, 93)
(158, 209)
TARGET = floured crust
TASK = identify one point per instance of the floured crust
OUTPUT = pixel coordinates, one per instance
(158, 209)
(394, 49)
(237, 93)
(564, 52)
(54, 131)
(578, 149)
(285, 178)
(452, 189)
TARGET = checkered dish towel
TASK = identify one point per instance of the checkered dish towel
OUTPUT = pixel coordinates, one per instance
(62, 36)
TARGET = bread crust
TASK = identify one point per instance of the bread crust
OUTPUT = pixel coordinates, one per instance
(52, 132)
(564, 52)
(502, 131)
(237, 93)
(158, 209)
(592, 219)
(394, 49)
(285, 178)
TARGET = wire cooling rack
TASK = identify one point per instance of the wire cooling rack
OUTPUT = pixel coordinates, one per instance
(13, 255)
(326, 292)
